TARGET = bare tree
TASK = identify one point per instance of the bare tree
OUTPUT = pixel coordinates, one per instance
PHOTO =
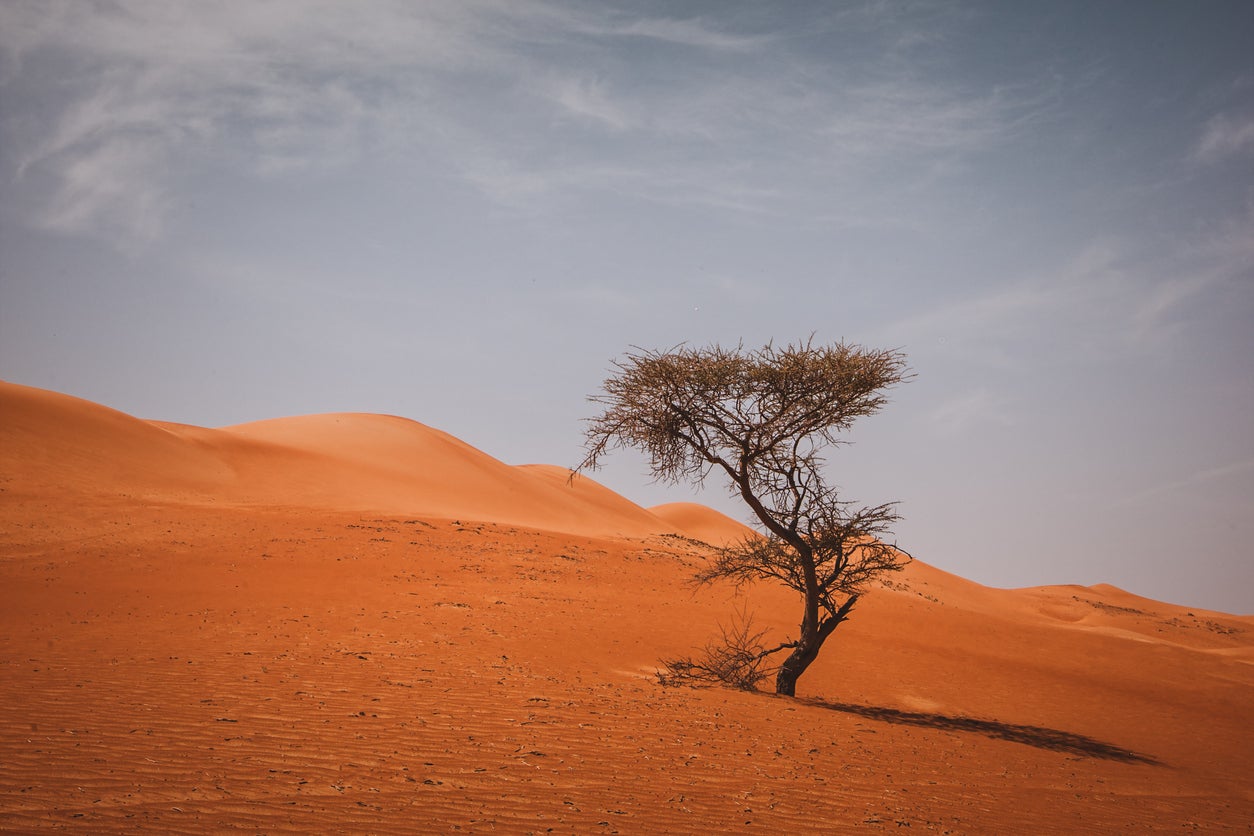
(760, 419)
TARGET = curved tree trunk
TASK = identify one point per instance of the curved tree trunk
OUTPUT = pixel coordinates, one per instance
(791, 670)
(807, 650)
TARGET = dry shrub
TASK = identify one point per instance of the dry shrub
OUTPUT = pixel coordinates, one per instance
(736, 658)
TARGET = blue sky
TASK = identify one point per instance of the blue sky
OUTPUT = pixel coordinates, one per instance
(461, 212)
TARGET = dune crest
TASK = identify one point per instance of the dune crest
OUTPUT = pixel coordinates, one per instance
(346, 461)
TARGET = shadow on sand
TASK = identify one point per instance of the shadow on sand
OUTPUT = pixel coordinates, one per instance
(1052, 739)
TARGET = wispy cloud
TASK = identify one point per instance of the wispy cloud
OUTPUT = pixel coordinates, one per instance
(890, 116)
(694, 32)
(587, 98)
(288, 84)
(113, 173)
(1225, 136)
(1208, 261)
(504, 92)
(1196, 479)
(1109, 298)
(970, 411)
(985, 323)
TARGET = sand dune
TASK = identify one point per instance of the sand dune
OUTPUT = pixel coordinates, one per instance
(52, 442)
(355, 623)
(379, 463)
(702, 523)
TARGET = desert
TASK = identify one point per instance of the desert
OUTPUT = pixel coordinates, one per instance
(592, 416)
(357, 623)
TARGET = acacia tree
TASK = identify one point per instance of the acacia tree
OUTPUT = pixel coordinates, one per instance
(760, 420)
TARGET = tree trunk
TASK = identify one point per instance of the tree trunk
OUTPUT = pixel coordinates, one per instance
(807, 650)
(790, 672)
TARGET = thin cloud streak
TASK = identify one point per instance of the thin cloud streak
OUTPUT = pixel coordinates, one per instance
(694, 32)
(1128, 304)
(1224, 137)
(970, 412)
(1193, 480)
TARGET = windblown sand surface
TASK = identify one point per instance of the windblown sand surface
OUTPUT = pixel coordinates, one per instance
(355, 623)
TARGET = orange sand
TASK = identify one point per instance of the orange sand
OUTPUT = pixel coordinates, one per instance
(355, 623)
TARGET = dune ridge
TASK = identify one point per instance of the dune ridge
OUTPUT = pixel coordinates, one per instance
(352, 461)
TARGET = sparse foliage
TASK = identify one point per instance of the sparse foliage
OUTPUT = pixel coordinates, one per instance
(737, 658)
(761, 419)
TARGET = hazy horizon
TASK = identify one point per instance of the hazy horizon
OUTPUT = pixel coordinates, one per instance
(462, 212)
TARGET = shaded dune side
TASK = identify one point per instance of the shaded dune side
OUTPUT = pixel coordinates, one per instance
(53, 444)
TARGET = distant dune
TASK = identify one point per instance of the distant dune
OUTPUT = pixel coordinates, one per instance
(376, 463)
(703, 523)
(357, 623)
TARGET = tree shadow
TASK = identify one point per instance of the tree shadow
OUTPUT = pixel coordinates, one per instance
(1042, 738)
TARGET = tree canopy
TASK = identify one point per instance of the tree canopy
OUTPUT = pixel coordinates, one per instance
(762, 419)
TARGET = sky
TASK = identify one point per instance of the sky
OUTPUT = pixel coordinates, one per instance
(462, 211)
